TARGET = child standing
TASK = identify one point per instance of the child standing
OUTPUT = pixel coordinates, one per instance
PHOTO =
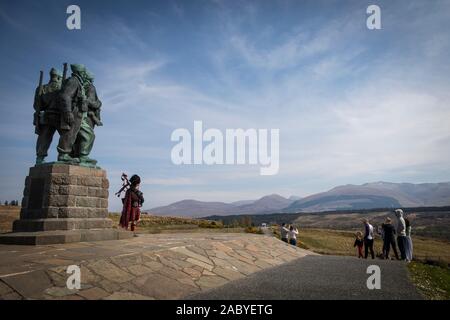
(359, 243)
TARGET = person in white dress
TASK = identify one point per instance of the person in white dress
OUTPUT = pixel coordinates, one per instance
(408, 242)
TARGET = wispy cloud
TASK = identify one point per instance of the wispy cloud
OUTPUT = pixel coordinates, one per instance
(352, 105)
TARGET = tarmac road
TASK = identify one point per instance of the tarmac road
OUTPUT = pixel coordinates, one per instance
(319, 277)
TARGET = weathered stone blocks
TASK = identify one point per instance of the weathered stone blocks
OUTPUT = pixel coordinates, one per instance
(64, 197)
(65, 191)
(61, 197)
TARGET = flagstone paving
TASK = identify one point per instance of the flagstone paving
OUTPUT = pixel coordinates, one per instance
(163, 266)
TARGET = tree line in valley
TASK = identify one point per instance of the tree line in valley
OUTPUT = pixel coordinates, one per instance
(278, 218)
(14, 203)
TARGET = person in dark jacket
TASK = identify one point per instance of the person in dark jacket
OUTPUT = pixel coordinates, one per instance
(401, 233)
(389, 239)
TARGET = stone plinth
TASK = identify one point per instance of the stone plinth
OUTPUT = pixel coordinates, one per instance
(64, 203)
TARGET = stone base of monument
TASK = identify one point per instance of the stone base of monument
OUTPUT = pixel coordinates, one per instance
(63, 236)
(64, 203)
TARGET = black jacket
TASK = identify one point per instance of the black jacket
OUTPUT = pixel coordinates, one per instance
(389, 231)
(358, 242)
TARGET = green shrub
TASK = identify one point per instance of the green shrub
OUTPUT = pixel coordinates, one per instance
(210, 224)
(256, 230)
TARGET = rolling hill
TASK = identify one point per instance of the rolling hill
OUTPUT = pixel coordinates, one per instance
(347, 197)
(375, 195)
(193, 208)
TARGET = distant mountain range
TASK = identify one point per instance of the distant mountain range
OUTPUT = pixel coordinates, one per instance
(194, 208)
(348, 197)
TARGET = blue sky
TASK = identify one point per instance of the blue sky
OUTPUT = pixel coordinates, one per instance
(352, 105)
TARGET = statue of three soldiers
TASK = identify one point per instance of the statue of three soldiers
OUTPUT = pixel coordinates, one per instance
(71, 107)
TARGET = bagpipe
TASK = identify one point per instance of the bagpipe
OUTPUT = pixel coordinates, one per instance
(125, 186)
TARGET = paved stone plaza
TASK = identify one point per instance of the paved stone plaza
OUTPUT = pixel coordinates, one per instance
(162, 266)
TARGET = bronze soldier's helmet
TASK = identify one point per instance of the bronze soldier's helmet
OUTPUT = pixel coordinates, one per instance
(90, 76)
(77, 68)
(54, 72)
(55, 79)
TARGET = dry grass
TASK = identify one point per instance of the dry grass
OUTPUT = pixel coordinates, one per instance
(7, 215)
(331, 242)
(151, 220)
(160, 224)
(255, 230)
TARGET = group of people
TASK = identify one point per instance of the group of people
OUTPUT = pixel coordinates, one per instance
(289, 234)
(72, 108)
(393, 236)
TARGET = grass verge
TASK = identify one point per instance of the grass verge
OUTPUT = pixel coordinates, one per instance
(433, 282)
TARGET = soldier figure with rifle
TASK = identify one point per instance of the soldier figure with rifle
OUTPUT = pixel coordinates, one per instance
(91, 118)
(73, 107)
(46, 113)
(94, 104)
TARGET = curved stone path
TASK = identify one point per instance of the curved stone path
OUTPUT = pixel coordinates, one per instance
(163, 266)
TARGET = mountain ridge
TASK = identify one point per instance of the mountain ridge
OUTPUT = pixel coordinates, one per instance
(344, 197)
